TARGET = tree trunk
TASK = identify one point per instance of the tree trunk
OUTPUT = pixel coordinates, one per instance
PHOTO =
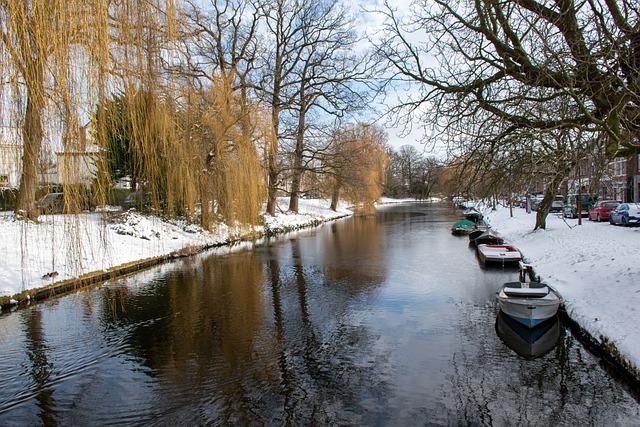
(32, 135)
(549, 194)
(335, 196)
(272, 158)
(272, 149)
(297, 160)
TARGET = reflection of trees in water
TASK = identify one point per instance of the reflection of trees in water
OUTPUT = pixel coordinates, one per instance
(259, 337)
(41, 368)
(489, 384)
(326, 376)
(355, 255)
(196, 326)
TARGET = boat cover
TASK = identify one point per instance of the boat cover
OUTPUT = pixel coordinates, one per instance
(488, 238)
(475, 234)
(526, 290)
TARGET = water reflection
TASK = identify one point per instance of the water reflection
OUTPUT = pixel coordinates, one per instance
(355, 255)
(40, 370)
(529, 342)
(379, 319)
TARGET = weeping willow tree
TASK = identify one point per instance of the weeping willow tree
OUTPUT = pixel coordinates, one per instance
(222, 130)
(356, 165)
(66, 56)
(188, 141)
(55, 54)
(64, 59)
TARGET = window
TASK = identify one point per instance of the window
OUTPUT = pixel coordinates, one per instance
(619, 166)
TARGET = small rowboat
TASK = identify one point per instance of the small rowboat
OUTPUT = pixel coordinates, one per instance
(502, 254)
(529, 303)
(475, 234)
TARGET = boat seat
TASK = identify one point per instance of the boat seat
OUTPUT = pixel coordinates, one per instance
(526, 290)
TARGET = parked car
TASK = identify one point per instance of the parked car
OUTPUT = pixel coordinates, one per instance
(557, 204)
(601, 210)
(625, 214)
(52, 203)
(570, 207)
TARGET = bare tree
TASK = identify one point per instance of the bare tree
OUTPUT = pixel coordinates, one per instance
(324, 77)
(494, 56)
(305, 66)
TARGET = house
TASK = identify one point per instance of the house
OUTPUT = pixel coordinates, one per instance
(70, 166)
(10, 158)
(77, 167)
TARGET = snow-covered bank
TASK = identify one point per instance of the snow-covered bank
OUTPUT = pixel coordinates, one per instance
(36, 255)
(596, 267)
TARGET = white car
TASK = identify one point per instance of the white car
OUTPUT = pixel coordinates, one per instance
(558, 204)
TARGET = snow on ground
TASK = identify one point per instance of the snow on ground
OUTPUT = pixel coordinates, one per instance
(60, 247)
(310, 212)
(595, 266)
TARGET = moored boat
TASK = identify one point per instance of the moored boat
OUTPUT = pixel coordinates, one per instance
(529, 303)
(475, 234)
(499, 253)
(487, 238)
(472, 214)
(463, 226)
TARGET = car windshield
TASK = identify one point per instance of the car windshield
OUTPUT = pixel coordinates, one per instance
(610, 205)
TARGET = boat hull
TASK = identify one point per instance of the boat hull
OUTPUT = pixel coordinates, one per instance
(529, 311)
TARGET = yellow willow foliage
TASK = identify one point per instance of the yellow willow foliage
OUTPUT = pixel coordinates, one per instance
(361, 163)
(55, 54)
(222, 131)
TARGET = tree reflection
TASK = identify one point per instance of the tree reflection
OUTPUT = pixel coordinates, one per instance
(41, 368)
(355, 256)
(262, 336)
(201, 314)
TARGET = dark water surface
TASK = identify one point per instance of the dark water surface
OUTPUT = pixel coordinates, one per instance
(384, 319)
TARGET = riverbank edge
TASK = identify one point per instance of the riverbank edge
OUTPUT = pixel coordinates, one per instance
(602, 347)
(611, 358)
(23, 299)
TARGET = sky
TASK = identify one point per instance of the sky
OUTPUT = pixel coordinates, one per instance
(370, 24)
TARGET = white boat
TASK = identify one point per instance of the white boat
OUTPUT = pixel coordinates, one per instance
(530, 303)
(498, 253)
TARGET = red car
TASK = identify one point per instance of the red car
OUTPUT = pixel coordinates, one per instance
(600, 211)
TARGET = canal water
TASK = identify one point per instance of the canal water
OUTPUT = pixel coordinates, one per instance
(385, 319)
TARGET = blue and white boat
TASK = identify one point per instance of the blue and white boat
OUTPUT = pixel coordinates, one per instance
(529, 303)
